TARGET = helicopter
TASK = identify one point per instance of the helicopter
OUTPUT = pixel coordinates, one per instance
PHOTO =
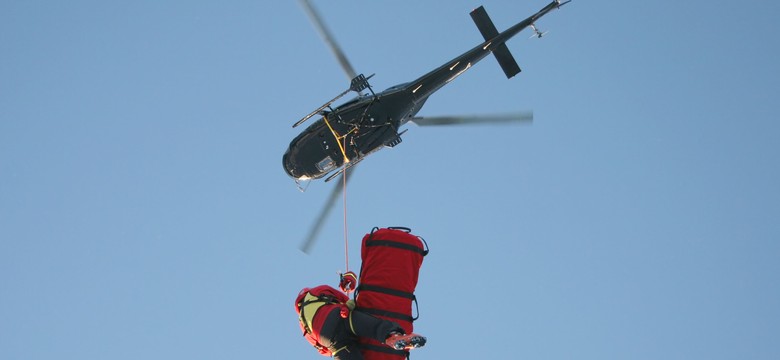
(345, 134)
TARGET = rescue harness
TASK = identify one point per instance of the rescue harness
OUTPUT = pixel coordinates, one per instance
(308, 307)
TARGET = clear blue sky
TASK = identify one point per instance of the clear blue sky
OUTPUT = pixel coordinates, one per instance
(144, 212)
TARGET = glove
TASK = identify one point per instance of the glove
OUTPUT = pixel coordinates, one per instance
(348, 282)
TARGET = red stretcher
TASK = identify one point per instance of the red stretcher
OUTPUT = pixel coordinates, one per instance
(391, 258)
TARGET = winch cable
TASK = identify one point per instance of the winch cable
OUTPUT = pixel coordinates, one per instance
(342, 147)
(346, 238)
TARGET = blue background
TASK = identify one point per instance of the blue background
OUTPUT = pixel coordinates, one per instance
(144, 212)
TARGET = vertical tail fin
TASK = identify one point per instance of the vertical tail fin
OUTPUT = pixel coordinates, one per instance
(501, 52)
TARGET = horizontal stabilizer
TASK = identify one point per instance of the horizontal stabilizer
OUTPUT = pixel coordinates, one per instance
(501, 52)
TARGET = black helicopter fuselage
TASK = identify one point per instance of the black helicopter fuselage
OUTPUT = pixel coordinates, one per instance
(349, 132)
(346, 134)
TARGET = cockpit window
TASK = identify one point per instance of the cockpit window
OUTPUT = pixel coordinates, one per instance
(326, 164)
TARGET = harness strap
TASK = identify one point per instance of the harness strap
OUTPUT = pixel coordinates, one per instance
(351, 325)
(384, 290)
(333, 353)
(389, 314)
(391, 243)
(310, 299)
(397, 245)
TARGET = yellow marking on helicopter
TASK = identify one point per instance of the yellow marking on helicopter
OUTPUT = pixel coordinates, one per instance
(338, 138)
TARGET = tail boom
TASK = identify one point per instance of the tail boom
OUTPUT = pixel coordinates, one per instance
(495, 43)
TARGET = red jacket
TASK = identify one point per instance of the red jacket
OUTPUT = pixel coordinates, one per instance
(316, 304)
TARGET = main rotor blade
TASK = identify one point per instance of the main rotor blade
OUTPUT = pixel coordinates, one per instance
(474, 119)
(329, 39)
(315, 229)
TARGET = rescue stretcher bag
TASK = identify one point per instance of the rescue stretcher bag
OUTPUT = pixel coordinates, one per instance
(391, 264)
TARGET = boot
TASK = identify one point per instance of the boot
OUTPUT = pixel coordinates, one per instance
(405, 341)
